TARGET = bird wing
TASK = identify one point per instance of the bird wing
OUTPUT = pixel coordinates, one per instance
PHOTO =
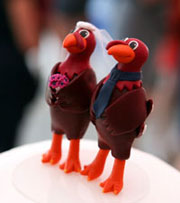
(127, 112)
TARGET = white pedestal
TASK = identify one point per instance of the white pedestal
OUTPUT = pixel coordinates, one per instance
(24, 179)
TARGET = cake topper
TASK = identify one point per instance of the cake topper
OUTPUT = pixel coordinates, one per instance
(69, 93)
(119, 109)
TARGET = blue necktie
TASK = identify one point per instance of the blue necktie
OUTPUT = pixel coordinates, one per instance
(105, 92)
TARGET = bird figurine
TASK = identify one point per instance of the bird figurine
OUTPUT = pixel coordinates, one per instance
(118, 110)
(69, 93)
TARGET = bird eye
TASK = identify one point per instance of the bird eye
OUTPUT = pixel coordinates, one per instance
(84, 33)
(133, 44)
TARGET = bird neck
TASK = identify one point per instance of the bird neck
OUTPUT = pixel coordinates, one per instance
(78, 58)
(128, 85)
(75, 64)
(130, 67)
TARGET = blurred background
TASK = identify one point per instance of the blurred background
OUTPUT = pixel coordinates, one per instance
(31, 34)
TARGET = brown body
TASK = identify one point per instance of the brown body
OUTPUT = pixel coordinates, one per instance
(121, 122)
(70, 112)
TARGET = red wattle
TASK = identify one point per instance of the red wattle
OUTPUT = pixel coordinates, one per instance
(129, 85)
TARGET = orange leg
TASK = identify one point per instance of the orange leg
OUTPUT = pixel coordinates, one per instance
(72, 163)
(54, 154)
(95, 169)
(115, 181)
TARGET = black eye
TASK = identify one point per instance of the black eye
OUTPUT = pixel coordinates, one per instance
(84, 33)
(133, 44)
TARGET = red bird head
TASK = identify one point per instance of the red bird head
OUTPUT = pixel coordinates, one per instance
(131, 53)
(81, 42)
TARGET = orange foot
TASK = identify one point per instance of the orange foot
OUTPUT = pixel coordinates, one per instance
(92, 170)
(95, 169)
(51, 157)
(110, 185)
(71, 165)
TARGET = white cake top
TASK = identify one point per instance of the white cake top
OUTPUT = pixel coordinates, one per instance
(24, 179)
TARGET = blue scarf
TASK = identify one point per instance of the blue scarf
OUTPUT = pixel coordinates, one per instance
(105, 92)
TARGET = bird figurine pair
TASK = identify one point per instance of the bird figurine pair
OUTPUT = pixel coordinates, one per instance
(117, 105)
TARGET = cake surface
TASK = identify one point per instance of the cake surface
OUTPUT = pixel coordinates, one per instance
(24, 179)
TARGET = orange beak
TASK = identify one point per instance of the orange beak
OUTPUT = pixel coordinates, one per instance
(122, 53)
(74, 43)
